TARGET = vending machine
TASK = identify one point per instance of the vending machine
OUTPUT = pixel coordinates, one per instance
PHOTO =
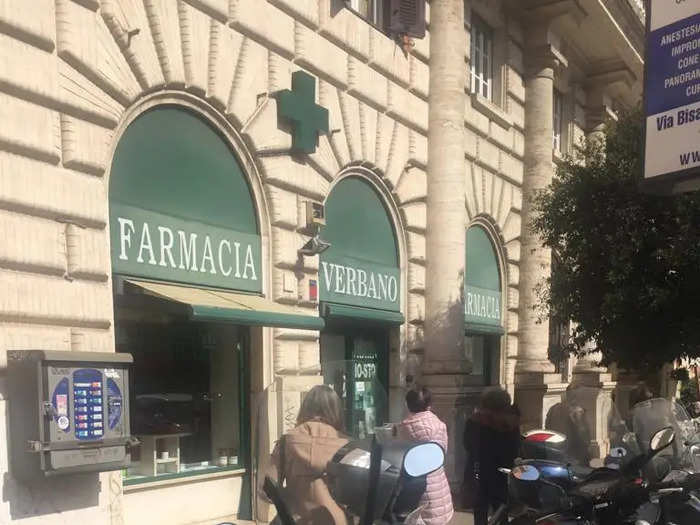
(69, 412)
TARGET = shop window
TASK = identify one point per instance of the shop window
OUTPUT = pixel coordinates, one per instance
(481, 62)
(558, 121)
(186, 401)
(483, 352)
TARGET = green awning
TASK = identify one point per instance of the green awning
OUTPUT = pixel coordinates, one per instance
(219, 305)
(344, 311)
(482, 329)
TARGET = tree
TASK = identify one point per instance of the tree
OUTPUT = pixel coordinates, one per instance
(628, 262)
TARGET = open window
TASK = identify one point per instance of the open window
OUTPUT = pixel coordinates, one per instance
(558, 143)
(394, 17)
(481, 62)
(370, 10)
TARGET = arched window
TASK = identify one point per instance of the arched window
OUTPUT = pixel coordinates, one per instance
(483, 313)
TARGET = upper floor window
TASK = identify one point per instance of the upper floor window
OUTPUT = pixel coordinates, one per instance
(481, 68)
(369, 9)
(558, 118)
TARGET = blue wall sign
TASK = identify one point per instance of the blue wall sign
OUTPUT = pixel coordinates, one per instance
(672, 88)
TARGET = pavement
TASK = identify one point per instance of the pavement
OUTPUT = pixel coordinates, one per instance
(462, 518)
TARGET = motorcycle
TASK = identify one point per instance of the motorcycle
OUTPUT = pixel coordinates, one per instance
(562, 456)
(550, 462)
(605, 496)
(685, 455)
(681, 460)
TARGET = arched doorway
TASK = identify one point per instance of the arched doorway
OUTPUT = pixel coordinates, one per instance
(360, 294)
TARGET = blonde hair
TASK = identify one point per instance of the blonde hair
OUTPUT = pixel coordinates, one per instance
(321, 403)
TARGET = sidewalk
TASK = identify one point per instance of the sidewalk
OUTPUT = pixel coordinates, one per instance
(462, 518)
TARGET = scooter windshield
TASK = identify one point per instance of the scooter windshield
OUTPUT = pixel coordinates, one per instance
(652, 415)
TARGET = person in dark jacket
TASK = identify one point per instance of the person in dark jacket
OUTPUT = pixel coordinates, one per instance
(492, 440)
(569, 418)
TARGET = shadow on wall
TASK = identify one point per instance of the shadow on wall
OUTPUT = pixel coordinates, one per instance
(444, 379)
(49, 496)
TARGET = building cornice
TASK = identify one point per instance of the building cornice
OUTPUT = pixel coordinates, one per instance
(629, 17)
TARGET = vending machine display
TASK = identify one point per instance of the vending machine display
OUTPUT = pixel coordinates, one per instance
(69, 412)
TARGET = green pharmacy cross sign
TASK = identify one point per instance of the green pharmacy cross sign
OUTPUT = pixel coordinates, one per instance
(299, 107)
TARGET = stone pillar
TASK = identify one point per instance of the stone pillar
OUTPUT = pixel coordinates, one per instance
(535, 261)
(598, 111)
(598, 405)
(444, 365)
(446, 212)
(597, 402)
(537, 387)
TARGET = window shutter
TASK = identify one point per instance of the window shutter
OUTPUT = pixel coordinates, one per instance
(405, 17)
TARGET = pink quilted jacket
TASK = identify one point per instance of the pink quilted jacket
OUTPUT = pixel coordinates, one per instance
(426, 426)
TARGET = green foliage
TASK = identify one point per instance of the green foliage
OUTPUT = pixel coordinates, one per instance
(628, 262)
(680, 374)
(689, 391)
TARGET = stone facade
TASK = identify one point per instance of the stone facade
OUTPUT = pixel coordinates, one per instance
(74, 73)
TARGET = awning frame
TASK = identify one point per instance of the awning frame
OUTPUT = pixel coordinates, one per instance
(358, 313)
(204, 304)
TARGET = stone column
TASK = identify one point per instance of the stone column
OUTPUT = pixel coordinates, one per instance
(588, 371)
(535, 261)
(446, 220)
(537, 387)
(597, 113)
(446, 212)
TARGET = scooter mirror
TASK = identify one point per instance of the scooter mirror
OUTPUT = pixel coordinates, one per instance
(423, 459)
(618, 452)
(525, 473)
(662, 439)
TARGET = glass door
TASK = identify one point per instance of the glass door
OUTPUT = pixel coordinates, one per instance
(355, 365)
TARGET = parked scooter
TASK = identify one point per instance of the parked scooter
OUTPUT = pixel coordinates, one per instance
(681, 460)
(651, 414)
(375, 480)
(549, 454)
(605, 496)
(376, 483)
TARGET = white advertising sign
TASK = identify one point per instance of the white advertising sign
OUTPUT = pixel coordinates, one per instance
(672, 89)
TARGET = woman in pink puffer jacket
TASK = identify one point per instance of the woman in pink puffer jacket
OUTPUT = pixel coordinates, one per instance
(422, 425)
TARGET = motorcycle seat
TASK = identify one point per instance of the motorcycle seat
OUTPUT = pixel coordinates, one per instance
(580, 471)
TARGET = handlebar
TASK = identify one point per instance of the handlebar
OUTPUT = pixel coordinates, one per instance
(690, 483)
(635, 494)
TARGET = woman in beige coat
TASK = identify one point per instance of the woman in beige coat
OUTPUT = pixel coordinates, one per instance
(305, 452)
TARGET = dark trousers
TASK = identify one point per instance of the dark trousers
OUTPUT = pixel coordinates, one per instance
(481, 510)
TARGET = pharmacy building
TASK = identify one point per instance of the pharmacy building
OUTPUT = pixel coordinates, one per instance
(207, 207)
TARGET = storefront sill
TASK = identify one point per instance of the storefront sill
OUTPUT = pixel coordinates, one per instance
(137, 485)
